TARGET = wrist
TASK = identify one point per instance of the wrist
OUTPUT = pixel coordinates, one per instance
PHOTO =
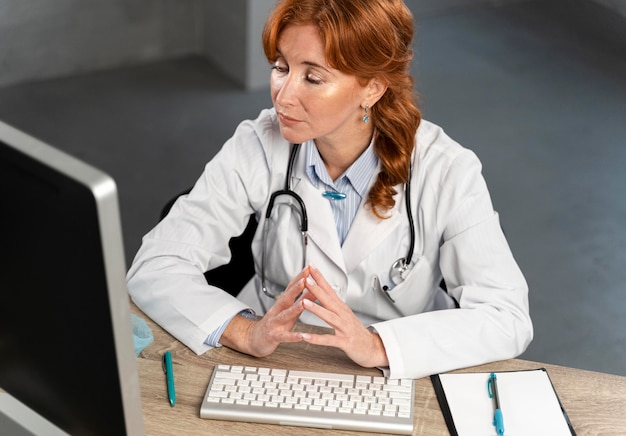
(381, 353)
(237, 332)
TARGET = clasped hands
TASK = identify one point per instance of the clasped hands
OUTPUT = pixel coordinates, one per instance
(309, 291)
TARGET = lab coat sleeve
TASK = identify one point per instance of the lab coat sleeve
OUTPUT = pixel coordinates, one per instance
(492, 322)
(166, 278)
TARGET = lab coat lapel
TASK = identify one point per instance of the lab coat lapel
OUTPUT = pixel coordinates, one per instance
(322, 229)
(368, 231)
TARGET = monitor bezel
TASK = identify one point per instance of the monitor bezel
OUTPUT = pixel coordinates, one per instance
(105, 193)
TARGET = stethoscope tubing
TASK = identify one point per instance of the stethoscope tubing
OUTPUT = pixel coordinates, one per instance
(398, 268)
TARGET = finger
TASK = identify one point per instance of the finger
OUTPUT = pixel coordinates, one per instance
(302, 274)
(291, 314)
(283, 318)
(267, 342)
(305, 294)
(326, 340)
(324, 314)
(291, 293)
(324, 292)
(294, 290)
(319, 279)
(292, 337)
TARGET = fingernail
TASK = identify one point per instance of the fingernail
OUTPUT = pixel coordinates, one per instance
(307, 302)
(310, 281)
(305, 336)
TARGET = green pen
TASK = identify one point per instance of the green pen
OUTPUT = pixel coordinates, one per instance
(169, 376)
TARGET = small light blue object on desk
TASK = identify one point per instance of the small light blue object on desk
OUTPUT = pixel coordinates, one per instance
(142, 335)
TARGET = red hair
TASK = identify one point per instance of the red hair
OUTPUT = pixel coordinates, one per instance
(368, 39)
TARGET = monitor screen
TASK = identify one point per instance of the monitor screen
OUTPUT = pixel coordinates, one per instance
(66, 349)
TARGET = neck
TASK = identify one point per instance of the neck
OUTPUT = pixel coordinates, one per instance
(338, 158)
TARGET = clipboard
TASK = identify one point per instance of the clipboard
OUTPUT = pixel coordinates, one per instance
(530, 404)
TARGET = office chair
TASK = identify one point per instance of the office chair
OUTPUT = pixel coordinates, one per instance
(233, 276)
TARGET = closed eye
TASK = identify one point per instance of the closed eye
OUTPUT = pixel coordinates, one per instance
(313, 79)
(280, 69)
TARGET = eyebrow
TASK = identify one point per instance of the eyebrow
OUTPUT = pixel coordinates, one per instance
(313, 64)
(307, 63)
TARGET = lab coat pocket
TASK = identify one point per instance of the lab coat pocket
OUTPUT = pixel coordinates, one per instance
(414, 294)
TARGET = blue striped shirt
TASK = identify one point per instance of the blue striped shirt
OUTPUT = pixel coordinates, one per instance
(353, 183)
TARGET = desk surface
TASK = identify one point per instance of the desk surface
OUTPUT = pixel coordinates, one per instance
(595, 402)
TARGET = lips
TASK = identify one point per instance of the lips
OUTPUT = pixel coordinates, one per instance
(287, 120)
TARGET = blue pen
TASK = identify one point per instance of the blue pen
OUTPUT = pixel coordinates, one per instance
(169, 376)
(492, 389)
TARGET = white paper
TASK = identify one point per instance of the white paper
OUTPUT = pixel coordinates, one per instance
(527, 399)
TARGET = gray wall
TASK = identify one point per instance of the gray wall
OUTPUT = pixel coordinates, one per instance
(41, 39)
(232, 39)
(618, 6)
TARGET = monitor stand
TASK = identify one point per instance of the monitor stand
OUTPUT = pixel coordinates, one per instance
(18, 420)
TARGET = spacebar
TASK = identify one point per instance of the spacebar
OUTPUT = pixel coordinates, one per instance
(322, 375)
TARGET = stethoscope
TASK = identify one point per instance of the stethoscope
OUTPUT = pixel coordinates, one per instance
(397, 271)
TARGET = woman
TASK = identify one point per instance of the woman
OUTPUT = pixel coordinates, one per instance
(379, 186)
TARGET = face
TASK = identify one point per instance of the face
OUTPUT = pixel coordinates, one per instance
(313, 100)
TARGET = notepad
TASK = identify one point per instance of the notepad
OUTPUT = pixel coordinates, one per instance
(529, 403)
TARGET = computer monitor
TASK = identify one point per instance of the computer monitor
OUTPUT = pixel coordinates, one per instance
(66, 347)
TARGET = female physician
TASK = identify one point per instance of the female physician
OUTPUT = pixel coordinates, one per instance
(362, 207)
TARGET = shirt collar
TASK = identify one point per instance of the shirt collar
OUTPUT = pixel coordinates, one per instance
(358, 174)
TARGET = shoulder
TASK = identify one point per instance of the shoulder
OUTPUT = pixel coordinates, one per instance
(433, 142)
(264, 127)
(253, 153)
(439, 154)
(259, 135)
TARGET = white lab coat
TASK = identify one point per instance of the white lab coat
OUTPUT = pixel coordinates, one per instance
(457, 234)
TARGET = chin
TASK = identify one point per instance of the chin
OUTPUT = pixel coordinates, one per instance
(293, 137)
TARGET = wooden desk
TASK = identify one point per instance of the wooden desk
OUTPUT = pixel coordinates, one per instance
(595, 402)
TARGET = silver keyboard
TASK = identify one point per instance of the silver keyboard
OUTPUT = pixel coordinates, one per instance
(309, 399)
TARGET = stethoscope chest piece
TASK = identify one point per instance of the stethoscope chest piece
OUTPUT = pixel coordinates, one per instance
(398, 271)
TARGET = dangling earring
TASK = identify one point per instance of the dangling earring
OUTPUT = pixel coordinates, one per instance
(366, 117)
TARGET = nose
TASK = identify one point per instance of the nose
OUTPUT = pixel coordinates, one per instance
(286, 90)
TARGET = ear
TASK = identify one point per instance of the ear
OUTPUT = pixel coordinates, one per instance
(375, 89)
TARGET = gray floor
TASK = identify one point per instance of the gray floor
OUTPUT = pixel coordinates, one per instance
(537, 89)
